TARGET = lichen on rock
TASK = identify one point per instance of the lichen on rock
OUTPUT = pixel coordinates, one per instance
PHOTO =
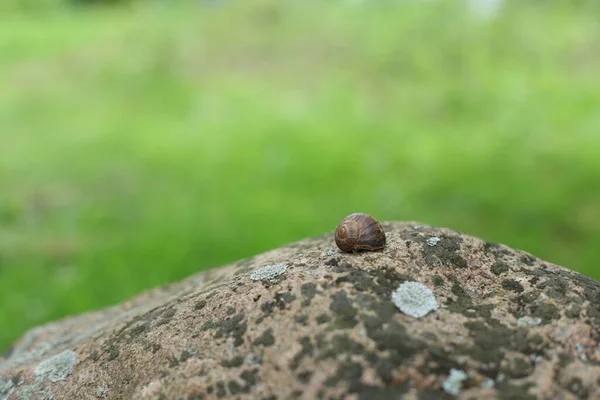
(6, 388)
(453, 385)
(414, 299)
(268, 273)
(56, 368)
(529, 321)
(500, 324)
(432, 241)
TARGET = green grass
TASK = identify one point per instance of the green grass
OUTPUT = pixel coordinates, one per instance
(141, 145)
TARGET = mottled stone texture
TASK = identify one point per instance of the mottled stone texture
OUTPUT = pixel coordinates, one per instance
(519, 327)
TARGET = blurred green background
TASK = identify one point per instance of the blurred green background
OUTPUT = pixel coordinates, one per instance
(144, 142)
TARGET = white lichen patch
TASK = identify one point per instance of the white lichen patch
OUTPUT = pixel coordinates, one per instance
(331, 252)
(27, 352)
(537, 359)
(57, 368)
(414, 299)
(36, 391)
(253, 359)
(102, 391)
(488, 383)
(268, 273)
(453, 385)
(580, 349)
(528, 321)
(6, 388)
(432, 241)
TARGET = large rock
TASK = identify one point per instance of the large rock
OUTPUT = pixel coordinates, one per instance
(507, 326)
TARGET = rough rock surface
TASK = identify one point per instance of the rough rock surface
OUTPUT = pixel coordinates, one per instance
(508, 326)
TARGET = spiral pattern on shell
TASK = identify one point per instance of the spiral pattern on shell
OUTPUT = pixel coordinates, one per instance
(358, 232)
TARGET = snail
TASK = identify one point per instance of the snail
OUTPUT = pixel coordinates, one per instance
(359, 232)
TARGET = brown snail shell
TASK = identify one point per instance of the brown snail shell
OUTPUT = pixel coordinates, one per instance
(359, 232)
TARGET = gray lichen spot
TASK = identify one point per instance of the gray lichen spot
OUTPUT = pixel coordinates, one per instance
(57, 368)
(432, 241)
(453, 385)
(268, 273)
(253, 359)
(331, 252)
(6, 388)
(414, 299)
(27, 352)
(529, 321)
(46, 394)
(102, 391)
(36, 392)
(580, 350)
(487, 384)
(537, 359)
